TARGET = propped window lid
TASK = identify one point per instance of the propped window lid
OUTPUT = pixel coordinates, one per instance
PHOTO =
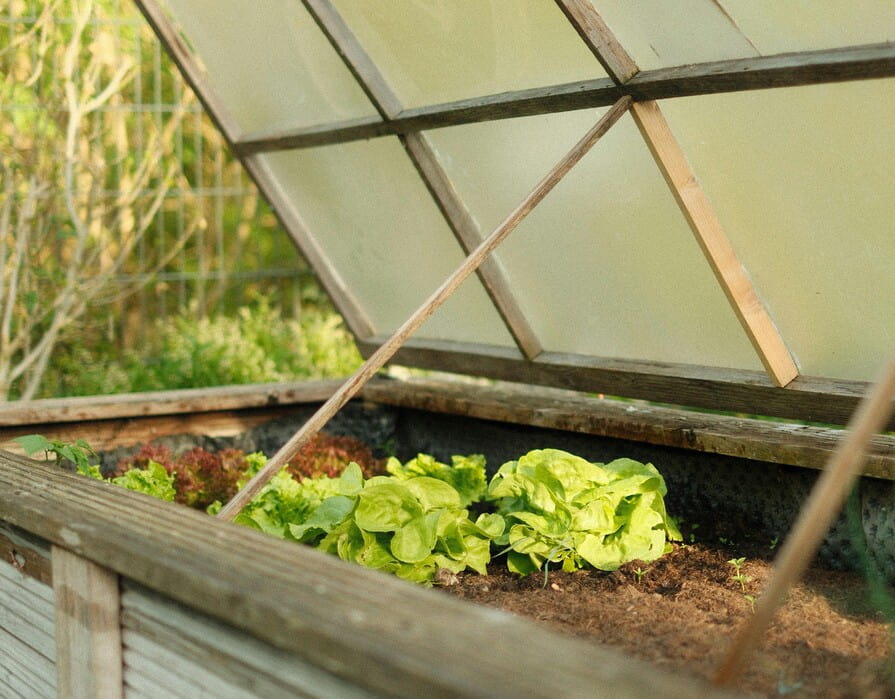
(730, 251)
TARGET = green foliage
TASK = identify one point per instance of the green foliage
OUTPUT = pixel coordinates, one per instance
(738, 575)
(78, 452)
(153, 480)
(466, 473)
(410, 527)
(564, 509)
(255, 346)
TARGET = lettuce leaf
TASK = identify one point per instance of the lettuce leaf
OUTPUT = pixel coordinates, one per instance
(564, 510)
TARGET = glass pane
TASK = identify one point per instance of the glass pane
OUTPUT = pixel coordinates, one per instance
(660, 34)
(271, 69)
(802, 178)
(432, 51)
(806, 25)
(606, 265)
(384, 236)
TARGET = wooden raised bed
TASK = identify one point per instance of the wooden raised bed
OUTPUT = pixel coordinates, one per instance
(106, 591)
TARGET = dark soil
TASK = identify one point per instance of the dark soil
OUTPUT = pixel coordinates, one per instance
(682, 611)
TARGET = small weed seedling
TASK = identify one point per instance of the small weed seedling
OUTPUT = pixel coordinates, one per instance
(639, 572)
(738, 575)
(78, 452)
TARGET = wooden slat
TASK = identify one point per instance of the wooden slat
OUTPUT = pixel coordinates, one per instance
(370, 629)
(783, 70)
(815, 518)
(203, 650)
(172, 402)
(382, 355)
(758, 440)
(599, 39)
(423, 156)
(24, 672)
(807, 398)
(713, 241)
(88, 635)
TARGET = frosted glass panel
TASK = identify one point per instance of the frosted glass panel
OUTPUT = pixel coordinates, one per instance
(663, 33)
(433, 51)
(803, 180)
(780, 26)
(367, 207)
(272, 69)
(606, 265)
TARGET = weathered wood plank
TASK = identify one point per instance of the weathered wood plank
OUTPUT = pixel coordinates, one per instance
(758, 440)
(382, 355)
(107, 434)
(26, 615)
(365, 627)
(162, 631)
(714, 243)
(28, 555)
(806, 398)
(599, 39)
(24, 668)
(173, 402)
(757, 73)
(88, 636)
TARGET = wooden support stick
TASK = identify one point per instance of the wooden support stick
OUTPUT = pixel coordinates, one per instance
(716, 247)
(816, 517)
(378, 359)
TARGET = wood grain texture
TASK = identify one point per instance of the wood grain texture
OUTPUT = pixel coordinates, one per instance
(758, 440)
(439, 185)
(88, 635)
(599, 38)
(815, 519)
(162, 637)
(172, 402)
(764, 72)
(387, 350)
(361, 626)
(714, 243)
(812, 399)
(26, 554)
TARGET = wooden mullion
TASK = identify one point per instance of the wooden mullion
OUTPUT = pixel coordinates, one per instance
(764, 72)
(423, 156)
(713, 241)
(599, 38)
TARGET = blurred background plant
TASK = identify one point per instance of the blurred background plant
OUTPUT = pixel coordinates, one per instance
(134, 252)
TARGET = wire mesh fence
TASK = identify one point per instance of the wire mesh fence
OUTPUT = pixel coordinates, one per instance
(210, 242)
